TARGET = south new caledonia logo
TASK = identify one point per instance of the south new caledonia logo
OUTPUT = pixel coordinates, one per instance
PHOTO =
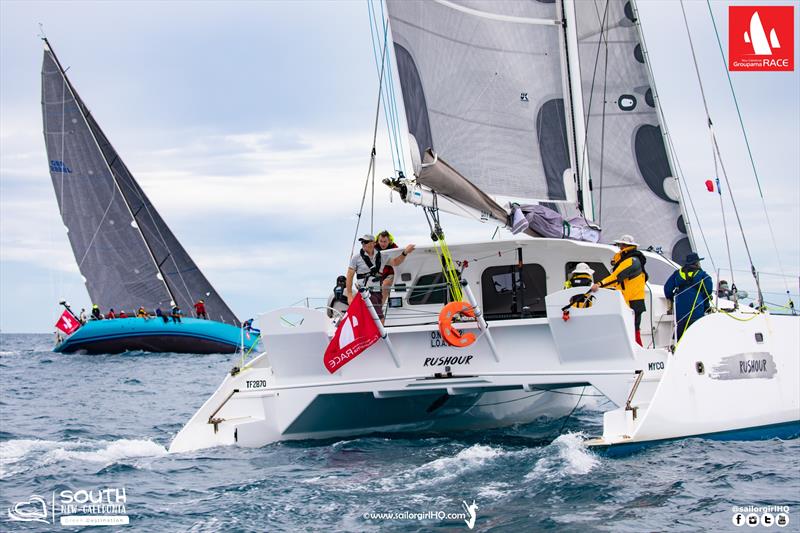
(761, 38)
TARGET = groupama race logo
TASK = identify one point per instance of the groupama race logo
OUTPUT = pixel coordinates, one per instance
(761, 38)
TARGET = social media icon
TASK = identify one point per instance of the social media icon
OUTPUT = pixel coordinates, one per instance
(752, 520)
(782, 519)
(767, 519)
(738, 519)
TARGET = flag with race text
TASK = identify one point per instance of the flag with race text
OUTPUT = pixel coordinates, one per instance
(356, 332)
(68, 323)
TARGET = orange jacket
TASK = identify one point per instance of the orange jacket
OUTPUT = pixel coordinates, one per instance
(628, 275)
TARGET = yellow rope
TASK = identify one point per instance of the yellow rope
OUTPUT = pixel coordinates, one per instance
(449, 268)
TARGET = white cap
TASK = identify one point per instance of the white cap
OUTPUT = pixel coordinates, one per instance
(583, 268)
(626, 239)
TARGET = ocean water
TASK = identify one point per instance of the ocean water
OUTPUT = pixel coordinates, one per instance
(87, 423)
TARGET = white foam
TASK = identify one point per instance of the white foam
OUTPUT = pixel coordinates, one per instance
(446, 468)
(571, 458)
(494, 491)
(14, 452)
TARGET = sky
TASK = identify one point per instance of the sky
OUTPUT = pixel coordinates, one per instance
(249, 126)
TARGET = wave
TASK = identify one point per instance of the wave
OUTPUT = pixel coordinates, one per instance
(571, 458)
(445, 469)
(15, 452)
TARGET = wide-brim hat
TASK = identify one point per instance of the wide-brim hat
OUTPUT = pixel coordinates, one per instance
(367, 237)
(626, 239)
(692, 258)
(583, 268)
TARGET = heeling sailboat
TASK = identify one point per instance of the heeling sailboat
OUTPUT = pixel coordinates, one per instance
(499, 108)
(126, 253)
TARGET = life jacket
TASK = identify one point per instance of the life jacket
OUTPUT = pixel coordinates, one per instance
(579, 280)
(374, 268)
(627, 277)
(387, 270)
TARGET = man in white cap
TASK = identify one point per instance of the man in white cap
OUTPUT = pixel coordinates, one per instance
(366, 266)
(581, 276)
(629, 277)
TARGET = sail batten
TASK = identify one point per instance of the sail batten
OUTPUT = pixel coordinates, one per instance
(115, 232)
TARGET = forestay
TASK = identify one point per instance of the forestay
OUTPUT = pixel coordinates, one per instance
(124, 249)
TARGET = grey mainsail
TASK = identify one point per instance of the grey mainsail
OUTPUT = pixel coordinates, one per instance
(633, 184)
(483, 87)
(126, 253)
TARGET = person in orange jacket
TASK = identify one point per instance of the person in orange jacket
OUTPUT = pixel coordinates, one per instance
(629, 277)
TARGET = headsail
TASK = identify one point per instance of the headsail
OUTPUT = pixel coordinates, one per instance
(634, 189)
(483, 86)
(124, 249)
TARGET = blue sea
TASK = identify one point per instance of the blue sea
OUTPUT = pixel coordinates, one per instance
(75, 425)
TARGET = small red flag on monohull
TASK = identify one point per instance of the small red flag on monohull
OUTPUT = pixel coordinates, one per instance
(356, 332)
(68, 323)
(712, 185)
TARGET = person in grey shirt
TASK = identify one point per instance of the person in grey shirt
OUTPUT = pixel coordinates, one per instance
(366, 267)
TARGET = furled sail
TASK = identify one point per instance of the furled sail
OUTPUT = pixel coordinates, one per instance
(483, 87)
(625, 157)
(124, 249)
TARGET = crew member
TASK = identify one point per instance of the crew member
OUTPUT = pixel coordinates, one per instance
(689, 288)
(628, 276)
(366, 267)
(160, 313)
(176, 313)
(723, 290)
(581, 276)
(386, 242)
(96, 314)
(200, 309)
(142, 313)
(123, 314)
(110, 313)
(337, 301)
(82, 316)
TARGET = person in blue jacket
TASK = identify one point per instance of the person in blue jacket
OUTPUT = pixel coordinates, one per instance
(690, 289)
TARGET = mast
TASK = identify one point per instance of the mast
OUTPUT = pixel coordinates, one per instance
(573, 104)
(161, 276)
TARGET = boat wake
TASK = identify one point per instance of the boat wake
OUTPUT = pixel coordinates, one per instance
(571, 458)
(20, 455)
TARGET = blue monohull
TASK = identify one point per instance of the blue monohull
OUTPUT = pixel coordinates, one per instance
(190, 335)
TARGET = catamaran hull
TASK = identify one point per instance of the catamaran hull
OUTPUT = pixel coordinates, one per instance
(154, 335)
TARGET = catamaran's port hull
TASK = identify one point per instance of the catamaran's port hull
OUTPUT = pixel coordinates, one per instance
(154, 335)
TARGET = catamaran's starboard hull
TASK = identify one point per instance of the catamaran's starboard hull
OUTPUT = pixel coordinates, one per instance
(154, 335)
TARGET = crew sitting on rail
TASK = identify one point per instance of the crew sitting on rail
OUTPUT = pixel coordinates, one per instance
(142, 313)
(96, 314)
(366, 267)
(160, 313)
(110, 313)
(581, 276)
(123, 314)
(629, 277)
(337, 301)
(689, 288)
(176, 313)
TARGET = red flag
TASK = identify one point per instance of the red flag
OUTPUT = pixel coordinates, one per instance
(68, 323)
(356, 332)
(710, 185)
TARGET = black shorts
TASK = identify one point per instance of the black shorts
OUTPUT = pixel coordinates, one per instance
(377, 302)
(638, 310)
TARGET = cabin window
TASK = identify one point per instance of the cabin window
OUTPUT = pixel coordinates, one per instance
(600, 270)
(511, 293)
(423, 294)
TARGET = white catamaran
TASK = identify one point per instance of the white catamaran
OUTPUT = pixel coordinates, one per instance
(551, 107)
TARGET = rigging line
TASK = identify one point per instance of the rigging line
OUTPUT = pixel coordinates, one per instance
(681, 187)
(602, 136)
(390, 75)
(739, 221)
(374, 140)
(747, 143)
(373, 23)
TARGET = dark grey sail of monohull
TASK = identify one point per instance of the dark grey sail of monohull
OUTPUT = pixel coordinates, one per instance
(126, 253)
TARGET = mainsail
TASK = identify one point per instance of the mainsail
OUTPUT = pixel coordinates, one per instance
(633, 185)
(126, 253)
(490, 86)
(483, 87)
